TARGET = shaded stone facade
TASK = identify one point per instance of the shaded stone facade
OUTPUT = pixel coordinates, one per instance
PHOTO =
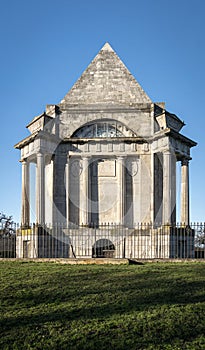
(106, 154)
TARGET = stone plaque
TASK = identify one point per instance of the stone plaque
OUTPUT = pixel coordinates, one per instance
(107, 168)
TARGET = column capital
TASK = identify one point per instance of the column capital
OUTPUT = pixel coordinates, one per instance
(23, 161)
(85, 158)
(185, 161)
(40, 154)
(121, 158)
(167, 151)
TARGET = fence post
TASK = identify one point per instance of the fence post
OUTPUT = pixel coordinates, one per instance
(124, 247)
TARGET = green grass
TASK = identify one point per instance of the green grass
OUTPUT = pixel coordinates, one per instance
(150, 306)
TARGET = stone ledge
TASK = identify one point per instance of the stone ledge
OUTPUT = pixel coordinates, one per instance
(78, 261)
(102, 261)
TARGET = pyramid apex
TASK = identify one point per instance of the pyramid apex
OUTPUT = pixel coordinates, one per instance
(107, 47)
(106, 81)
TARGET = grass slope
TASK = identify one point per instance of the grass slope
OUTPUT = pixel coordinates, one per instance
(150, 306)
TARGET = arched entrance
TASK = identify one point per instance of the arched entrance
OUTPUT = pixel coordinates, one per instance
(103, 248)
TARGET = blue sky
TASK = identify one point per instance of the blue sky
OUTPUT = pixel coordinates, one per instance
(46, 45)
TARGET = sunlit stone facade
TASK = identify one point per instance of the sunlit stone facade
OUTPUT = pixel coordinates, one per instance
(105, 154)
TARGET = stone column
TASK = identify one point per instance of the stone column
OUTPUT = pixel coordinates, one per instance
(136, 191)
(169, 187)
(185, 192)
(121, 190)
(67, 185)
(40, 189)
(25, 208)
(83, 217)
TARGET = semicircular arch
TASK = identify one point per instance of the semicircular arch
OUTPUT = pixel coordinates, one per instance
(103, 248)
(102, 128)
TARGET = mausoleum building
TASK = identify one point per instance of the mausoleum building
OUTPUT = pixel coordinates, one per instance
(106, 153)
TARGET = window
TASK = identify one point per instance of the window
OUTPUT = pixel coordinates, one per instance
(103, 129)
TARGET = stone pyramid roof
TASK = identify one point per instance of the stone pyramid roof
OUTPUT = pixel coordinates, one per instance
(106, 81)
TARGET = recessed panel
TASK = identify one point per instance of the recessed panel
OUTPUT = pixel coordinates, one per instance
(107, 168)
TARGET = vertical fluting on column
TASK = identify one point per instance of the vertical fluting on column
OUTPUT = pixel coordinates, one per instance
(83, 217)
(121, 190)
(169, 187)
(185, 191)
(40, 189)
(68, 190)
(25, 207)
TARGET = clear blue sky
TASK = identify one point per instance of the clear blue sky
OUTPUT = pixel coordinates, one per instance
(46, 45)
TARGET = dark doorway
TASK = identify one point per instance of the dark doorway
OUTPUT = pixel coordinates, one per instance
(103, 248)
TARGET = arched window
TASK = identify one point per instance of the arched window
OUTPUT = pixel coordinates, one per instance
(103, 128)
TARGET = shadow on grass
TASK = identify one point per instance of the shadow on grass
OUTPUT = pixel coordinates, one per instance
(95, 293)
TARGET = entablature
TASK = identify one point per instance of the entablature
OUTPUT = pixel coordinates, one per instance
(105, 108)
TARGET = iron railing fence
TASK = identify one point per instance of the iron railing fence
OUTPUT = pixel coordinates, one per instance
(8, 240)
(143, 241)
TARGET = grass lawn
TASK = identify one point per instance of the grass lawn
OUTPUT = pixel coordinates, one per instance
(150, 306)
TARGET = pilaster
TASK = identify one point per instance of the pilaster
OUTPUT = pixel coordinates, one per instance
(40, 189)
(67, 190)
(121, 190)
(84, 209)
